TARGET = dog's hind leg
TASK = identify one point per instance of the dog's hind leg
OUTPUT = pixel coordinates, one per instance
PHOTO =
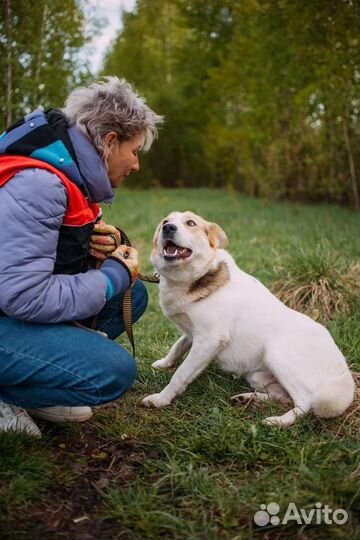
(287, 419)
(176, 352)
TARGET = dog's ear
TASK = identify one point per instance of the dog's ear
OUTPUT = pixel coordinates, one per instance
(156, 235)
(217, 237)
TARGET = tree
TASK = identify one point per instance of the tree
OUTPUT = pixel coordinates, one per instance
(259, 95)
(39, 61)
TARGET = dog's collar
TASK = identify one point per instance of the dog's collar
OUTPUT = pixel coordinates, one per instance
(209, 283)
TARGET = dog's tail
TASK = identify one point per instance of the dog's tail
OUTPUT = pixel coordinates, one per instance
(335, 396)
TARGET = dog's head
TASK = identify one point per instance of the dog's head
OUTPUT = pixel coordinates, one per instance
(185, 242)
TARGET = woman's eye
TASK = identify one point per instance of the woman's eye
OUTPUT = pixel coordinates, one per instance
(191, 223)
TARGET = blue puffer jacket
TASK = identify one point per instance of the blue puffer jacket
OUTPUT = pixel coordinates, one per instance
(32, 208)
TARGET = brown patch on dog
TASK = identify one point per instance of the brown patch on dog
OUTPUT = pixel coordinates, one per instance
(217, 237)
(209, 283)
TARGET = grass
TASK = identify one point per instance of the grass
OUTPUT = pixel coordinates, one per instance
(318, 283)
(201, 468)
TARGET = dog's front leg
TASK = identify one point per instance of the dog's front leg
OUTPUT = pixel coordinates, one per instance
(176, 352)
(201, 354)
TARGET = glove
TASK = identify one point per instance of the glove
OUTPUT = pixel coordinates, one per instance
(104, 240)
(128, 256)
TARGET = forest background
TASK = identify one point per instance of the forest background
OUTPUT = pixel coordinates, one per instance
(260, 96)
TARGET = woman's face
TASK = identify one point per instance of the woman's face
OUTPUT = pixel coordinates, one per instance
(123, 158)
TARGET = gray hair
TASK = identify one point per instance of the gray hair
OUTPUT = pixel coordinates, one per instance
(111, 105)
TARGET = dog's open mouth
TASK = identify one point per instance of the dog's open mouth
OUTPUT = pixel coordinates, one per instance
(172, 251)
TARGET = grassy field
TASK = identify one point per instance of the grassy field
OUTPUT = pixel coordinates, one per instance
(201, 468)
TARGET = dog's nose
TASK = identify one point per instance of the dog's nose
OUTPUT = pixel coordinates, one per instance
(169, 229)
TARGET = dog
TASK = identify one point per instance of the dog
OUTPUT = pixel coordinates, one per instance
(229, 317)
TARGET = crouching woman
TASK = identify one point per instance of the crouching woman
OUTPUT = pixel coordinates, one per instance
(55, 167)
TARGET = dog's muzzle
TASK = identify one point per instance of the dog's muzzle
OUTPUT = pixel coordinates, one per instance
(172, 251)
(169, 229)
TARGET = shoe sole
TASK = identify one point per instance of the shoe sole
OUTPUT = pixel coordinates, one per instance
(60, 419)
(19, 427)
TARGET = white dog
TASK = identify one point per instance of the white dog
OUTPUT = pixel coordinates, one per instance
(228, 316)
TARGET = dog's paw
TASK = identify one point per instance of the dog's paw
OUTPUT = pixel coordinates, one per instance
(241, 399)
(161, 364)
(155, 400)
(274, 421)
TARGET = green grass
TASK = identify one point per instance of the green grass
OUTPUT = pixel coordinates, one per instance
(201, 468)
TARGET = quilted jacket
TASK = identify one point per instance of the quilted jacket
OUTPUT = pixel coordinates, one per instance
(33, 205)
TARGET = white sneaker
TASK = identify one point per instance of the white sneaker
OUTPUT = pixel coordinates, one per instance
(62, 414)
(13, 418)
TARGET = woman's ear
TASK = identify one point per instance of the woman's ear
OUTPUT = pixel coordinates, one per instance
(111, 138)
(217, 237)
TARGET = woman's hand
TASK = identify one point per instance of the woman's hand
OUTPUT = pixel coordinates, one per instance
(104, 240)
(128, 256)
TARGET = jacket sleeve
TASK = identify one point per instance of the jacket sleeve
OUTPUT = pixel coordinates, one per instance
(32, 209)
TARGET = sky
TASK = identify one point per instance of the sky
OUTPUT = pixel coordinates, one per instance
(110, 10)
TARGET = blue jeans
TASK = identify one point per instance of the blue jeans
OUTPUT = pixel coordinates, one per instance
(43, 365)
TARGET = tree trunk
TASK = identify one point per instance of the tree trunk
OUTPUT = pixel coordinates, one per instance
(167, 44)
(40, 55)
(9, 74)
(354, 185)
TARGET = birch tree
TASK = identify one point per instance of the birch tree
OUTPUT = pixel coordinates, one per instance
(39, 54)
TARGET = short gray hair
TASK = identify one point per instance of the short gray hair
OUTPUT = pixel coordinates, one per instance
(111, 105)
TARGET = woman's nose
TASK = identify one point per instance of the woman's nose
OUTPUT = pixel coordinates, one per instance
(136, 165)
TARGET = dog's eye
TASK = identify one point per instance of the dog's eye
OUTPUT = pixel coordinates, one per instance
(191, 223)
(165, 221)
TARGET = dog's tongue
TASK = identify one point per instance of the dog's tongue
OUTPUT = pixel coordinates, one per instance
(183, 252)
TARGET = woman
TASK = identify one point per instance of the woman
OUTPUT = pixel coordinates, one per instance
(55, 166)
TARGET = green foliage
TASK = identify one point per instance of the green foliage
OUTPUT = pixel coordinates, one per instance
(262, 96)
(39, 54)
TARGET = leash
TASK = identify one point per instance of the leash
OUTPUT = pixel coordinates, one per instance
(121, 238)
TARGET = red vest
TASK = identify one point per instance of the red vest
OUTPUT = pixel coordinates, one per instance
(75, 232)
